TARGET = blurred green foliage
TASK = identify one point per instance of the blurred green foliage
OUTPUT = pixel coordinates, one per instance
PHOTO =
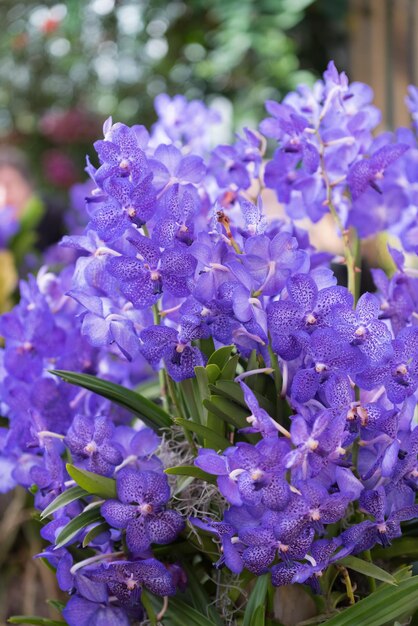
(96, 58)
(114, 56)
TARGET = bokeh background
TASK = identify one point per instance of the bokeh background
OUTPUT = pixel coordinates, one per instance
(66, 66)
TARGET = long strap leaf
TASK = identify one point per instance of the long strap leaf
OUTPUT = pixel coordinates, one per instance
(382, 607)
(149, 412)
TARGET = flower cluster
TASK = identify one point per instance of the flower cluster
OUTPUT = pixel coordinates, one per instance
(288, 487)
(178, 255)
(42, 333)
(184, 236)
(46, 416)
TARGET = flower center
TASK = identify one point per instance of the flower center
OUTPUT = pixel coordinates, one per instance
(310, 319)
(90, 448)
(131, 583)
(312, 444)
(320, 367)
(257, 474)
(315, 514)
(401, 370)
(145, 508)
(360, 331)
(351, 414)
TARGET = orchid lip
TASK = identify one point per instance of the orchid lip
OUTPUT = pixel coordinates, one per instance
(235, 473)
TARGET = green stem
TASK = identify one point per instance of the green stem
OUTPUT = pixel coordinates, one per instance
(156, 319)
(173, 395)
(161, 372)
(347, 583)
(372, 583)
(277, 381)
(354, 453)
(351, 248)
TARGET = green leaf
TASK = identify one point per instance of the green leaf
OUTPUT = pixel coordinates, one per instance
(406, 547)
(151, 614)
(181, 614)
(228, 411)
(149, 412)
(230, 369)
(253, 362)
(215, 441)
(149, 389)
(197, 592)
(221, 356)
(257, 599)
(201, 387)
(202, 380)
(93, 483)
(33, 619)
(56, 604)
(381, 607)
(191, 470)
(259, 617)
(214, 423)
(368, 569)
(71, 529)
(191, 396)
(213, 372)
(72, 494)
(207, 346)
(94, 532)
(232, 390)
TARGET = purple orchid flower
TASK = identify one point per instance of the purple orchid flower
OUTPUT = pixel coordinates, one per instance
(141, 510)
(291, 321)
(91, 442)
(369, 171)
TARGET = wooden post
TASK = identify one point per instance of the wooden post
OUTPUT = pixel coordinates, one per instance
(383, 52)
